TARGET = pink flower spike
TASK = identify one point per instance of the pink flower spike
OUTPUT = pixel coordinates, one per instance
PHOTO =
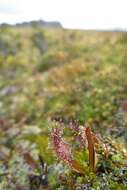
(62, 149)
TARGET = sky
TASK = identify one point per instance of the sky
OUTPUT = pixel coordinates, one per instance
(77, 14)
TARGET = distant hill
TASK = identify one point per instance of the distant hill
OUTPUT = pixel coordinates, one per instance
(47, 24)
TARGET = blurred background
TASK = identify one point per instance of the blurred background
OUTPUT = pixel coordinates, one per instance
(59, 60)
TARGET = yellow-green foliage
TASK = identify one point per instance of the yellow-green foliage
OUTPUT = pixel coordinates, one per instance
(49, 74)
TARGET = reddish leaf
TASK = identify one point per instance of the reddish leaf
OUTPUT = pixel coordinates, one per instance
(90, 147)
(27, 157)
(77, 167)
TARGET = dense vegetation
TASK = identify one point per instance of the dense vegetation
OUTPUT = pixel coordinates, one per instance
(65, 80)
